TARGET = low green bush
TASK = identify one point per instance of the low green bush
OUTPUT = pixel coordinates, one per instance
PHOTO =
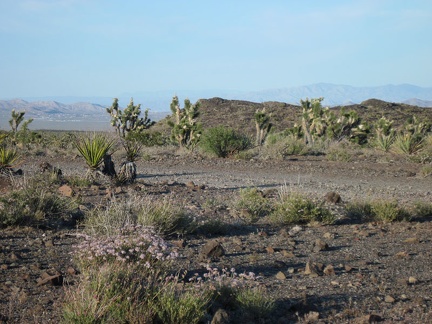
(34, 203)
(224, 142)
(377, 210)
(294, 208)
(251, 205)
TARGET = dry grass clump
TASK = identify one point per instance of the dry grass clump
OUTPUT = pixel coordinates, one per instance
(294, 208)
(377, 210)
(34, 201)
(166, 216)
(251, 205)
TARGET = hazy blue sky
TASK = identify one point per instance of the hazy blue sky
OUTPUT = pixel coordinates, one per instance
(107, 47)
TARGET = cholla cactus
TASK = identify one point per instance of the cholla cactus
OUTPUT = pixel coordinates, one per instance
(128, 120)
(263, 126)
(186, 131)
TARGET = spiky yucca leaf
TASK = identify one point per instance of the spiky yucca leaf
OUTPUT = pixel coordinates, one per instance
(133, 149)
(7, 157)
(408, 143)
(93, 149)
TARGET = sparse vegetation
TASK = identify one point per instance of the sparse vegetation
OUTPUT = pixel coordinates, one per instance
(251, 205)
(294, 208)
(224, 142)
(185, 130)
(93, 149)
(128, 120)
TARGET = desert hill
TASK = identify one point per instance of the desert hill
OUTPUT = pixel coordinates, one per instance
(239, 114)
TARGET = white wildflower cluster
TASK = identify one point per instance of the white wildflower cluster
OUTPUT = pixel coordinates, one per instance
(137, 244)
(224, 277)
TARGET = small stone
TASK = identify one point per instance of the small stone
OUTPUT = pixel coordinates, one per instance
(220, 317)
(412, 240)
(237, 241)
(270, 250)
(389, 299)
(288, 254)
(55, 280)
(190, 185)
(348, 268)
(311, 317)
(296, 229)
(333, 197)
(291, 270)
(402, 254)
(179, 243)
(366, 319)
(412, 280)
(4, 266)
(212, 249)
(49, 242)
(312, 269)
(320, 245)
(66, 191)
(329, 235)
(280, 276)
(329, 270)
(15, 256)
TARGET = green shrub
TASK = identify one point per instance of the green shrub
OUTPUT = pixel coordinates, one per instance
(388, 211)
(148, 138)
(251, 205)
(111, 293)
(361, 211)
(164, 215)
(33, 204)
(422, 209)
(294, 208)
(176, 303)
(377, 210)
(280, 145)
(254, 303)
(224, 142)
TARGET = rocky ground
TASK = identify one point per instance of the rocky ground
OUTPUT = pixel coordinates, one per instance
(347, 272)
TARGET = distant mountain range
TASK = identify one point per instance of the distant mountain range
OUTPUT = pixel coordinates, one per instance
(93, 108)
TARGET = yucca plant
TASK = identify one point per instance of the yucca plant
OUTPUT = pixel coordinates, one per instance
(408, 143)
(127, 173)
(93, 149)
(8, 157)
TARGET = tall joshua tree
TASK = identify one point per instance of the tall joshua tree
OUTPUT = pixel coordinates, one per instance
(129, 119)
(263, 126)
(185, 129)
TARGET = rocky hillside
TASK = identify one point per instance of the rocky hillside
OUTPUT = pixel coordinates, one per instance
(240, 114)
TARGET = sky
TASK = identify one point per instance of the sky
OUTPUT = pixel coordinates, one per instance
(111, 47)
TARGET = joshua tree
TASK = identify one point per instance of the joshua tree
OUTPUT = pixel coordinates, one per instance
(185, 129)
(312, 123)
(128, 120)
(263, 126)
(15, 121)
